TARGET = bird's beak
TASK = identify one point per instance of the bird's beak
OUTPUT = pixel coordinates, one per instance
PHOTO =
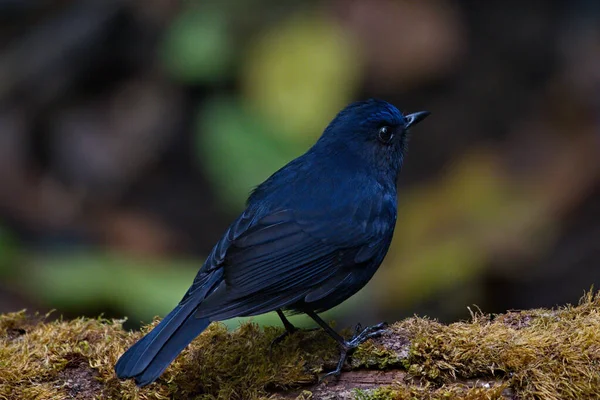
(414, 118)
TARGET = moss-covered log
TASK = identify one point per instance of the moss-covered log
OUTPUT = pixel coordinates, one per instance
(534, 354)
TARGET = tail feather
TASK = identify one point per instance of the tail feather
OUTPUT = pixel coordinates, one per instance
(146, 360)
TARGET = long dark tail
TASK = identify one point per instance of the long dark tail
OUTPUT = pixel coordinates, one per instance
(151, 355)
(148, 358)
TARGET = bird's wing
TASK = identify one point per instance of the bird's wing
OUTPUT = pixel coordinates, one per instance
(278, 259)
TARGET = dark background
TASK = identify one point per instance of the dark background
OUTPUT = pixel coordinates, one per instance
(132, 130)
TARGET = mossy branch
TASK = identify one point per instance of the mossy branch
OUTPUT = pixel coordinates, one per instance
(534, 354)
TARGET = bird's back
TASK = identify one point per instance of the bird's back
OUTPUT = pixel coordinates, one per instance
(338, 207)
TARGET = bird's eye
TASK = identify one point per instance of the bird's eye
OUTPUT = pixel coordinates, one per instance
(385, 134)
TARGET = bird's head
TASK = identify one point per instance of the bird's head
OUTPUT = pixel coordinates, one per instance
(373, 132)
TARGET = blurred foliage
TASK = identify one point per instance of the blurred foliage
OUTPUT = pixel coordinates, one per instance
(298, 74)
(101, 278)
(9, 252)
(286, 102)
(438, 241)
(477, 214)
(197, 46)
(228, 132)
(138, 129)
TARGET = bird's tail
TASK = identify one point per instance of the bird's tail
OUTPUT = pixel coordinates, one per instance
(148, 358)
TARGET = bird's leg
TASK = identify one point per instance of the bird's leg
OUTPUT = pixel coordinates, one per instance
(347, 346)
(289, 329)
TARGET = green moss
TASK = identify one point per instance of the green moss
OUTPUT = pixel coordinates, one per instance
(549, 354)
(536, 354)
(456, 392)
(35, 358)
(375, 356)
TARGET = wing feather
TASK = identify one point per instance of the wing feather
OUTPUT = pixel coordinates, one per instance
(278, 259)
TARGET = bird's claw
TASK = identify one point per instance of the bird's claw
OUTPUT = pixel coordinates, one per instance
(363, 335)
(360, 336)
(336, 373)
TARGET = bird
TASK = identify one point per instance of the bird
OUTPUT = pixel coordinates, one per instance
(312, 235)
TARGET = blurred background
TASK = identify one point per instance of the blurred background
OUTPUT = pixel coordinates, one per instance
(131, 132)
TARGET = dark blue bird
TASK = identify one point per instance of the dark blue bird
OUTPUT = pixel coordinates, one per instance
(312, 235)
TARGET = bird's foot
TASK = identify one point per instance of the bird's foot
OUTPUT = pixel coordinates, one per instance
(362, 335)
(347, 347)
